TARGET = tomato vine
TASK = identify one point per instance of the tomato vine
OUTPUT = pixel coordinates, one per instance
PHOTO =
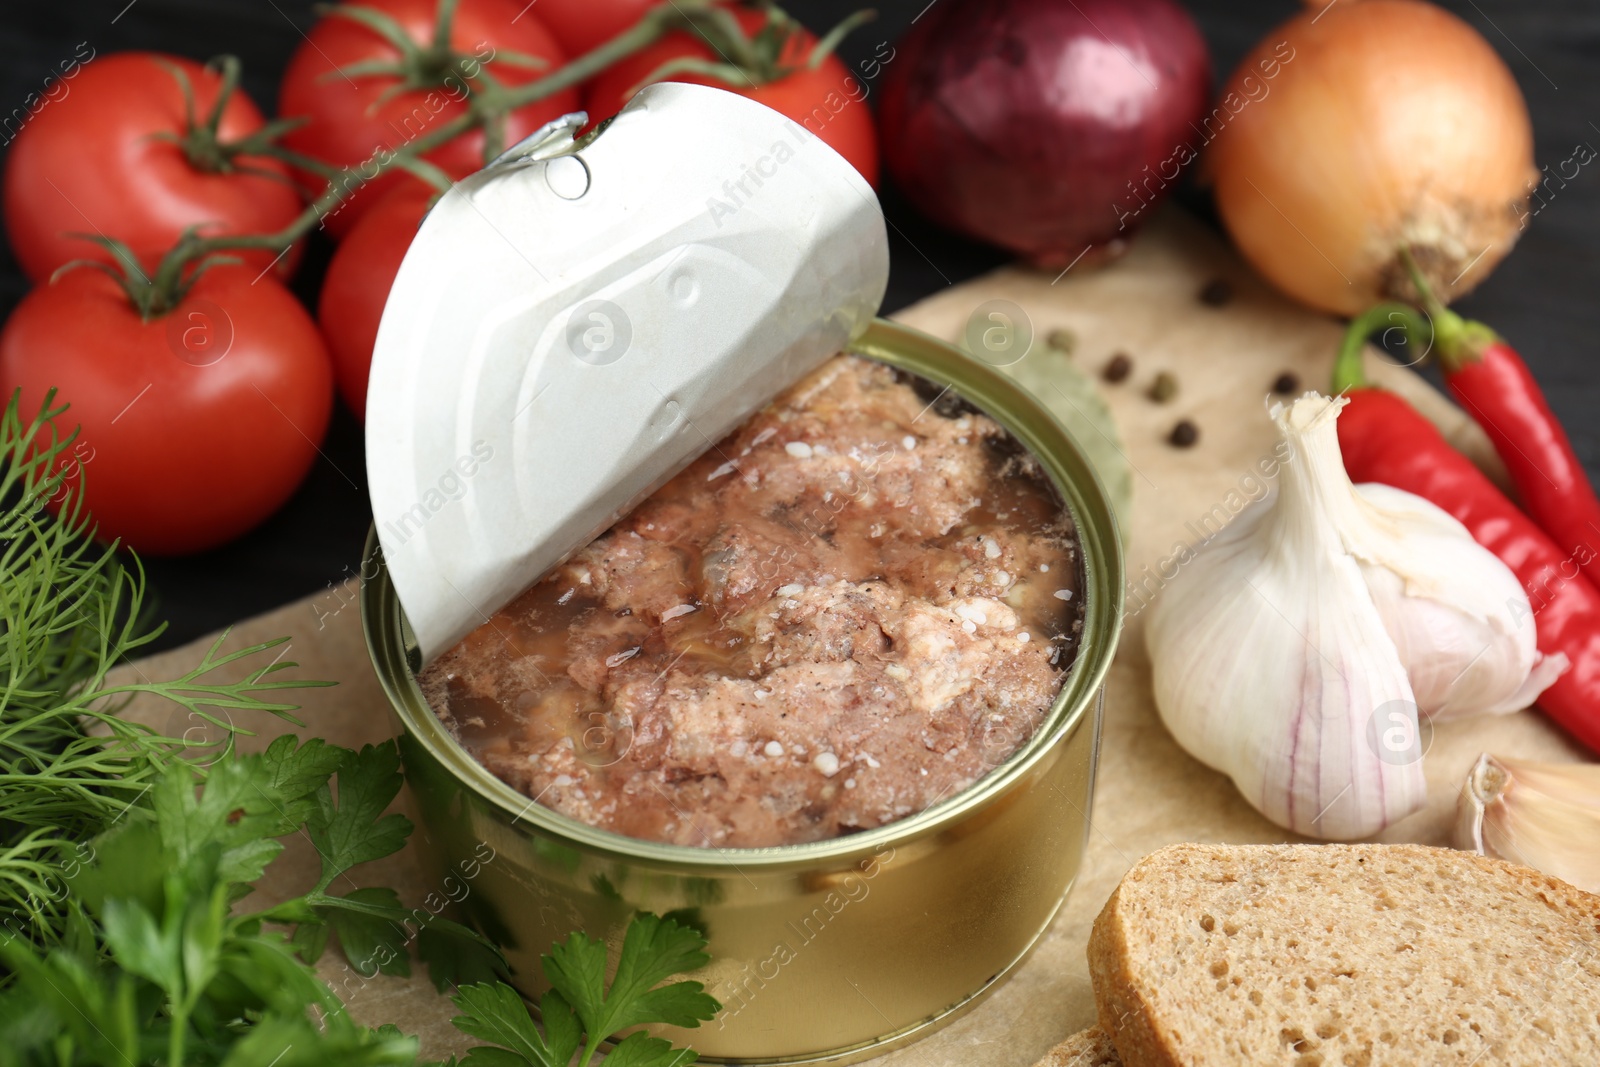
(492, 101)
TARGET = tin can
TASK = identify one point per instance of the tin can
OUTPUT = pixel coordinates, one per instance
(829, 951)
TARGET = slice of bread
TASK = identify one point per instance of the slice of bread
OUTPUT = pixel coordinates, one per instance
(1087, 1048)
(1346, 956)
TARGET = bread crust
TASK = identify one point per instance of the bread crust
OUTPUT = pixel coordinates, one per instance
(1086, 1048)
(1146, 1018)
(1123, 1011)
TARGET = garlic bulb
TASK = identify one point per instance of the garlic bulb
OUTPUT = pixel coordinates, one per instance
(1291, 651)
(1544, 815)
(1270, 659)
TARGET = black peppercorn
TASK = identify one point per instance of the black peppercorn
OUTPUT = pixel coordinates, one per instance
(1285, 383)
(1118, 369)
(1184, 435)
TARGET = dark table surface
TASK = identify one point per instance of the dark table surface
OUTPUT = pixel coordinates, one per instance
(1543, 297)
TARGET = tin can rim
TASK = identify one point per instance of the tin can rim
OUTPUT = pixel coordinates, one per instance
(1100, 547)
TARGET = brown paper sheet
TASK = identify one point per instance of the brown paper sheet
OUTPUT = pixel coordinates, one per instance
(1149, 792)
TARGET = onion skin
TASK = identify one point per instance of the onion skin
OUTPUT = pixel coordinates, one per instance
(1394, 124)
(1043, 126)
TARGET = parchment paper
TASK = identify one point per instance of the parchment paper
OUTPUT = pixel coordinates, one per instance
(1149, 792)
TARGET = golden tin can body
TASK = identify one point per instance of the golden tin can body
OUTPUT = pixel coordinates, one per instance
(826, 951)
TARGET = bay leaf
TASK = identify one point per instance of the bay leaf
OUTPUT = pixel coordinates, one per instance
(1072, 397)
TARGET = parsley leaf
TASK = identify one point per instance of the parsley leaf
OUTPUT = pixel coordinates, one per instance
(295, 1042)
(63, 1002)
(495, 1012)
(653, 949)
(374, 928)
(354, 830)
(457, 955)
(234, 812)
(373, 939)
(376, 931)
(489, 1056)
(642, 1050)
(580, 1011)
(295, 771)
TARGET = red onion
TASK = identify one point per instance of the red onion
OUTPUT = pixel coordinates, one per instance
(1046, 126)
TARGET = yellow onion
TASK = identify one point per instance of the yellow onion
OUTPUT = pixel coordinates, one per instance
(1383, 124)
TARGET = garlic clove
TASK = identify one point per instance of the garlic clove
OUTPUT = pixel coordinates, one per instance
(1543, 815)
(1272, 664)
(1457, 614)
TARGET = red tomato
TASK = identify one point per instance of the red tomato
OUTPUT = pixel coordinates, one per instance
(357, 285)
(828, 101)
(197, 424)
(354, 116)
(90, 162)
(584, 25)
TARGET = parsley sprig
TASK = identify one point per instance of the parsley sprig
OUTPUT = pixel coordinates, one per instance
(580, 1011)
(161, 967)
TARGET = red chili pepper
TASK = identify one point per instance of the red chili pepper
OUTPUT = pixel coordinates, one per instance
(1384, 439)
(1490, 380)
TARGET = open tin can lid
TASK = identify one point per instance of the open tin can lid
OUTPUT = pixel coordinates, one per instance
(577, 321)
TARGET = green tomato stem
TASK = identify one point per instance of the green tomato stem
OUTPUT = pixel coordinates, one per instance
(202, 145)
(446, 14)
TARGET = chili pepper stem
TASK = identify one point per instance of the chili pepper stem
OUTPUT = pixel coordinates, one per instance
(1458, 340)
(1347, 367)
